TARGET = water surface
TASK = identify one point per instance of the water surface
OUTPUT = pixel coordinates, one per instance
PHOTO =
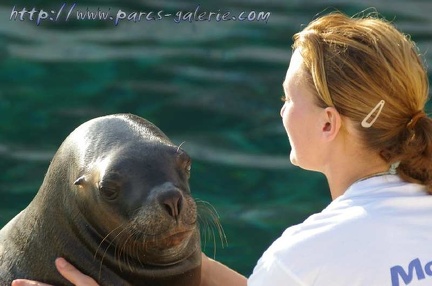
(214, 85)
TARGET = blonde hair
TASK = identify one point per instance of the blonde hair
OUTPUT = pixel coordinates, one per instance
(354, 63)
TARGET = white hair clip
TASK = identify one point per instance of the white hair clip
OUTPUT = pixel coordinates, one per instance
(378, 107)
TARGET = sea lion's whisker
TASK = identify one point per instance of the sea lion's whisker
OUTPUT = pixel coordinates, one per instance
(210, 210)
(111, 242)
(106, 237)
(127, 249)
(205, 227)
(120, 250)
(137, 249)
(208, 231)
(178, 148)
(203, 233)
(106, 249)
(209, 217)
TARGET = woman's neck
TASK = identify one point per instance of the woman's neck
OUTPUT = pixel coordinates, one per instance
(341, 175)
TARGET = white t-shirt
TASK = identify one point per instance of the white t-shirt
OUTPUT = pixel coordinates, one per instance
(379, 232)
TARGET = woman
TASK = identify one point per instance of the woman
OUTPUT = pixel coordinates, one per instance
(355, 93)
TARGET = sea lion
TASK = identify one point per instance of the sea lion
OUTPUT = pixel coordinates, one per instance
(116, 203)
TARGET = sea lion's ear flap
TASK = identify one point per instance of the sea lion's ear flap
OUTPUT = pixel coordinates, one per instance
(80, 181)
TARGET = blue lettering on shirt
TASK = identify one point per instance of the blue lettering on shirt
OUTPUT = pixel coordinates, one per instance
(398, 273)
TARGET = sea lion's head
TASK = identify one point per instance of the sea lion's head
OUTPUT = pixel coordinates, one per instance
(131, 185)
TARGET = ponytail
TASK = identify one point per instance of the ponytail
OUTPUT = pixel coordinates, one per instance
(415, 154)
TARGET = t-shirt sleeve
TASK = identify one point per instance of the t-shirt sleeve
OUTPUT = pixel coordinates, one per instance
(273, 273)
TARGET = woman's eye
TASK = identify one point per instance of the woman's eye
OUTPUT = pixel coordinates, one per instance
(284, 98)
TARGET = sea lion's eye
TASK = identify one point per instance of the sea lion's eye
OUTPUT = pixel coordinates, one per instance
(184, 161)
(108, 192)
(188, 165)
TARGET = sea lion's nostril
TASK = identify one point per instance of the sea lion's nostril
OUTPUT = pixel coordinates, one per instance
(172, 201)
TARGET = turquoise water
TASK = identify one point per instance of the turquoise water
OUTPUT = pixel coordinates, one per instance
(215, 85)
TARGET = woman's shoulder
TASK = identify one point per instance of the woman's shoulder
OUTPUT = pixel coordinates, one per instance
(355, 219)
(359, 236)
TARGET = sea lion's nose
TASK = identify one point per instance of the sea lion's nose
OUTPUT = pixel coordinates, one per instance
(172, 201)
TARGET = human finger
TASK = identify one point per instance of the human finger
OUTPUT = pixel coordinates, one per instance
(72, 274)
(25, 282)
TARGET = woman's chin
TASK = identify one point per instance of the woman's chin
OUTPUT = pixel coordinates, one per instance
(293, 159)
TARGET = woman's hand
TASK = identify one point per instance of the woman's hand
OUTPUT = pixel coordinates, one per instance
(67, 270)
(214, 273)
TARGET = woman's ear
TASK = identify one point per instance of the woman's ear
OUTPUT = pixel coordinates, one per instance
(332, 122)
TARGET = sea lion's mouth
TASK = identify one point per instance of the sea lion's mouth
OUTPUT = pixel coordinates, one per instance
(173, 239)
(171, 248)
(178, 237)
